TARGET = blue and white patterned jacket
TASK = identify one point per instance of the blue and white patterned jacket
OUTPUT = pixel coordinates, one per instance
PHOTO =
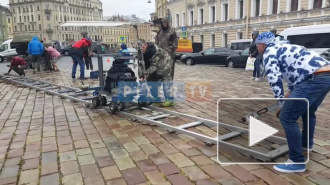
(292, 63)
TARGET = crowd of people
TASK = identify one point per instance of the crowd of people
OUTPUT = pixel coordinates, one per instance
(40, 55)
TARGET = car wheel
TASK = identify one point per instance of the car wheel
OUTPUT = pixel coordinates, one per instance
(190, 62)
(2, 59)
(230, 64)
(66, 53)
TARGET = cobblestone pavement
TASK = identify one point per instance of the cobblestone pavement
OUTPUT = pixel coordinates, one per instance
(47, 140)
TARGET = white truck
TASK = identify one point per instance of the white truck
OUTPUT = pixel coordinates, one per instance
(6, 50)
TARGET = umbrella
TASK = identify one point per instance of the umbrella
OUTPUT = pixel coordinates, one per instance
(23, 38)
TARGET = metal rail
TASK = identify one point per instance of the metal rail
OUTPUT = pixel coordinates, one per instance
(76, 95)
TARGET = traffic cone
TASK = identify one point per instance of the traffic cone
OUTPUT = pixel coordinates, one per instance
(108, 60)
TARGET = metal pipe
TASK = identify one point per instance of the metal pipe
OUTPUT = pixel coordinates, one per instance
(100, 64)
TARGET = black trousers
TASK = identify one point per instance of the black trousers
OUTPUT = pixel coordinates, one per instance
(20, 71)
(89, 63)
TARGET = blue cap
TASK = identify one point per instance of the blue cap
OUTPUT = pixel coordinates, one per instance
(265, 38)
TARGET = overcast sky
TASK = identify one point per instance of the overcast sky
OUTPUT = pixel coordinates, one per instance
(124, 7)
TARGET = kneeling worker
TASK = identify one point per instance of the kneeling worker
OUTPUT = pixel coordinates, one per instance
(17, 64)
(158, 64)
(308, 77)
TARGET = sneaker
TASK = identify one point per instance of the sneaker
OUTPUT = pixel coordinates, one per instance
(307, 149)
(257, 79)
(253, 78)
(290, 167)
(83, 78)
(168, 103)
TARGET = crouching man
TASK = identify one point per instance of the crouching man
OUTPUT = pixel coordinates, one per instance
(158, 65)
(308, 77)
(17, 64)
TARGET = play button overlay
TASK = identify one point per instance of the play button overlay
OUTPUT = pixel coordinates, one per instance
(259, 131)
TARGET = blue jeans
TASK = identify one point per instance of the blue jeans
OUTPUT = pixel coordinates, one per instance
(314, 89)
(78, 60)
(256, 71)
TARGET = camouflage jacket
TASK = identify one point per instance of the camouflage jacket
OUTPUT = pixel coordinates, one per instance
(160, 64)
(168, 40)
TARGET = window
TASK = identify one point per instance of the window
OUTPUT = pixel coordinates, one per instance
(191, 17)
(9, 29)
(201, 16)
(20, 28)
(24, 18)
(20, 18)
(32, 18)
(38, 7)
(224, 40)
(4, 47)
(213, 40)
(28, 18)
(29, 27)
(31, 7)
(39, 26)
(294, 5)
(212, 14)
(239, 35)
(177, 20)
(209, 51)
(15, 28)
(8, 20)
(224, 12)
(317, 4)
(39, 18)
(240, 9)
(320, 40)
(245, 52)
(257, 12)
(275, 7)
(201, 39)
(221, 50)
(32, 27)
(184, 19)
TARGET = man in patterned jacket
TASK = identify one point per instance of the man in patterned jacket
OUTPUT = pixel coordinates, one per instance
(168, 40)
(158, 65)
(308, 77)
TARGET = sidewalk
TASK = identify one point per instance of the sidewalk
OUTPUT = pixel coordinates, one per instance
(48, 141)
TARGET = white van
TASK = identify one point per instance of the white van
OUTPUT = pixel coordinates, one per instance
(239, 45)
(6, 50)
(316, 37)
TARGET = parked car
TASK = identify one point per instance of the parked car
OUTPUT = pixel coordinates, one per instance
(238, 59)
(6, 50)
(66, 49)
(210, 55)
(326, 54)
(239, 45)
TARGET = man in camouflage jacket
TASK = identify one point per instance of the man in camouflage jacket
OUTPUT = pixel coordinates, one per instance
(158, 68)
(168, 40)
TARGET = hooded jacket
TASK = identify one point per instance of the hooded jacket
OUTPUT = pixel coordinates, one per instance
(35, 47)
(293, 63)
(253, 47)
(167, 39)
(80, 48)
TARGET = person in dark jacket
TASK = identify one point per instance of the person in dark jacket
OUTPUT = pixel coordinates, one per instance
(124, 52)
(255, 54)
(78, 52)
(36, 49)
(17, 64)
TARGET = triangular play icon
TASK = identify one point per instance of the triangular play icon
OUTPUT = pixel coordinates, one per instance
(259, 131)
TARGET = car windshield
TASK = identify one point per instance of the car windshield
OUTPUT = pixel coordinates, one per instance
(245, 51)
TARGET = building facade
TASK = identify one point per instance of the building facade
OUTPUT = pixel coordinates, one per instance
(216, 22)
(107, 32)
(42, 17)
(4, 11)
